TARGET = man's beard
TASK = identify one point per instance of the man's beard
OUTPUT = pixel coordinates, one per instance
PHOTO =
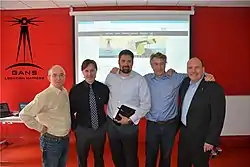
(125, 70)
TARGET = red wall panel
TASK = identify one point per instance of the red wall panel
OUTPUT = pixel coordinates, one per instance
(221, 37)
(51, 43)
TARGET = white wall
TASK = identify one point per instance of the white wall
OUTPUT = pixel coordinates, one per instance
(237, 121)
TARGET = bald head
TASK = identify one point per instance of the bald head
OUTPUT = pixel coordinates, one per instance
(56, 76)
(195, 60)
(195, 69)
(55, 67)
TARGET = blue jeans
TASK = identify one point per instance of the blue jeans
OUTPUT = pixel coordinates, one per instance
(54, 151)
(160, 136)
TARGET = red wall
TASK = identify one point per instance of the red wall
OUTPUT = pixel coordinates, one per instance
(51, 43)
(220, 36)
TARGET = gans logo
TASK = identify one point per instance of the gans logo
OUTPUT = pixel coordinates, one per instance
(24, 69)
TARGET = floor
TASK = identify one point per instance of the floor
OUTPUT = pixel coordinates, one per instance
(23, 153)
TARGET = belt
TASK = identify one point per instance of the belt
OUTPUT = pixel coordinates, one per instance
(163, 122)
(55, 137)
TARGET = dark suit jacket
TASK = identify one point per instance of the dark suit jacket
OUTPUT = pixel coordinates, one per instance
(79, 103)
(206, 112)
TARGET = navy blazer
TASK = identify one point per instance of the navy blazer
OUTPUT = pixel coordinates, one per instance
(206, 112)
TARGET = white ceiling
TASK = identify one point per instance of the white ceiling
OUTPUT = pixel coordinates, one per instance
(36, 4)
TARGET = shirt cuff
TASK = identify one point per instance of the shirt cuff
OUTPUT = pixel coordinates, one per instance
(135, 119)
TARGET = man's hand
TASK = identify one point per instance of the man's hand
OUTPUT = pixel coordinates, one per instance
(209, 77)
(208, 147)
(44, 130)
(123, 121)
(114, 70)
(170, 72)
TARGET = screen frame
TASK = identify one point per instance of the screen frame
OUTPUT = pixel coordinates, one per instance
(89, 15)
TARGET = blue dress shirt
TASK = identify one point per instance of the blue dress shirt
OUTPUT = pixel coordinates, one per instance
(164, 96)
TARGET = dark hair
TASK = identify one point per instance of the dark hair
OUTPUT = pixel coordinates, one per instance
(126, 52)
(87, 62)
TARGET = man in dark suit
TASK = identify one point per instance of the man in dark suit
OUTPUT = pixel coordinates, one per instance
(88, 118)
(202, 114)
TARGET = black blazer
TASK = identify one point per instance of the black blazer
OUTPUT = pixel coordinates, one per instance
(206, 112)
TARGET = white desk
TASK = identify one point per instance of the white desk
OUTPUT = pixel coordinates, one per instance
(11, 120)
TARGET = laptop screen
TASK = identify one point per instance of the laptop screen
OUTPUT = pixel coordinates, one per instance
(4, 110)
(22, 105)
(4, 107)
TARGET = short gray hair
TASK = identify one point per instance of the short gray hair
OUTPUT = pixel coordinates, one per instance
(158, 55)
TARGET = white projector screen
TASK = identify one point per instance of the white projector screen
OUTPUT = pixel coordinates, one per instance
(102, 36)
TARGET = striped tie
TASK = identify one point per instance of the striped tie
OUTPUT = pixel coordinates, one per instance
(93, 109)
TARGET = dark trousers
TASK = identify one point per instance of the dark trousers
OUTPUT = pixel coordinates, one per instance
(160, 136)
(86, 137)
(191, 152)
(54, 150)
(123, 144)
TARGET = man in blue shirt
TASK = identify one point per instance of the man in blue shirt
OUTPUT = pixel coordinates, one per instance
(162, 119)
